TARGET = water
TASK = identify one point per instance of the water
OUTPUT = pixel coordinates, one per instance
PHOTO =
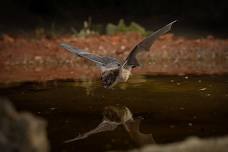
(173, 108)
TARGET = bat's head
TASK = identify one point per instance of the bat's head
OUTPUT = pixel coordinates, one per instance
(119, 114)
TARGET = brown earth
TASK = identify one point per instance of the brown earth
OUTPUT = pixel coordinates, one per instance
(41, 59)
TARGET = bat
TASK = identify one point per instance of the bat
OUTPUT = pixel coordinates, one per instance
(112, 70)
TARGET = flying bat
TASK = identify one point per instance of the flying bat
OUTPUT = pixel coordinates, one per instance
(114, 116)
(112, 70)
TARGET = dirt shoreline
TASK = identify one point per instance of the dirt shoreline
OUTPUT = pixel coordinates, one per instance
(31, 59)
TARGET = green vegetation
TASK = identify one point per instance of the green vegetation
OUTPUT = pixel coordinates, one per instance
(51, 31)
(89, 29)
(121, 27)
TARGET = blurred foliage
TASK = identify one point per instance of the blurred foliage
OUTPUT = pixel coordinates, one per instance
(89, 29)
(39, 32)
(51, 31)
(121, 27)
(205, 15)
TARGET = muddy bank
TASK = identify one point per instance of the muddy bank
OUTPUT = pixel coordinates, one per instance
(41, 59)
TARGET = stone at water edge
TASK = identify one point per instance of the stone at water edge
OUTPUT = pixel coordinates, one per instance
(21, 132)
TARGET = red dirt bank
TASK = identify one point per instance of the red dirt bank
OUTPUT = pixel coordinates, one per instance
(25, 59)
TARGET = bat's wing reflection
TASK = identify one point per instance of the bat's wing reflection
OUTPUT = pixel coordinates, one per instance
(105, 125)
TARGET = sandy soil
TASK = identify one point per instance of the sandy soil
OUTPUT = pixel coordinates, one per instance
(41, 59)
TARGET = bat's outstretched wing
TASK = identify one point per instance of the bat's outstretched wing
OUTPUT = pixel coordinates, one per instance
(145, 45)
(101, 61)
(132, 127)
(105, 125)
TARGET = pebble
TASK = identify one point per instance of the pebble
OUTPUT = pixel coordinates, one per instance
(181, 108)
(190, 124)
(208, 94)
(203, 89)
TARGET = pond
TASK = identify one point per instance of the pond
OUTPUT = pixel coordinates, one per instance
(173, 108)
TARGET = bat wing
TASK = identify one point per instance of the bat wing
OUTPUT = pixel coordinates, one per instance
(145, 45)
(133, 129)
(105, 125)
(100, 61)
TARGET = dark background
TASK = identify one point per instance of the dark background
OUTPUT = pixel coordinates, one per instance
(202, 16)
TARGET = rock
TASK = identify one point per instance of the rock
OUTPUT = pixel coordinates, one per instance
(7, 39)
(39, 59)
(210, 37)
(21, 132)
(192, 144)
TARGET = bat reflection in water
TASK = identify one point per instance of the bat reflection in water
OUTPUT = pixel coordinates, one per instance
(114, 116)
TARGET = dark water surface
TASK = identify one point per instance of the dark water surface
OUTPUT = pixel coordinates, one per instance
(173, 109)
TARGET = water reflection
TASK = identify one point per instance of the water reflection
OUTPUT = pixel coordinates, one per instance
(172, 112)
(113, 116)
